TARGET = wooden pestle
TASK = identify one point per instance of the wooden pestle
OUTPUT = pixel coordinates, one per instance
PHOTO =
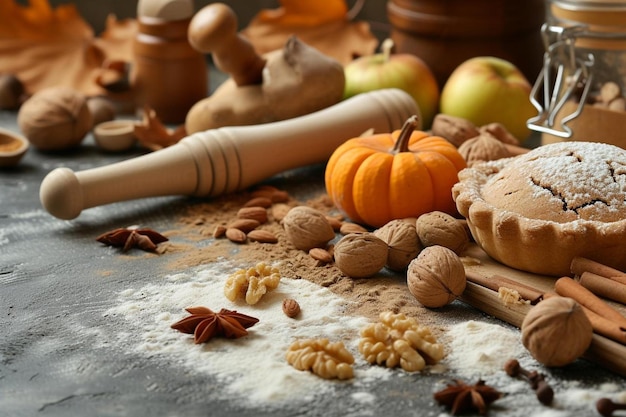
(227, 159)
(213, 29)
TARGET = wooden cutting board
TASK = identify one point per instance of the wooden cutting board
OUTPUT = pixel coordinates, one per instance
(603, 351)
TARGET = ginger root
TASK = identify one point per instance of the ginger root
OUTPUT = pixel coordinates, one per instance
(296, 80)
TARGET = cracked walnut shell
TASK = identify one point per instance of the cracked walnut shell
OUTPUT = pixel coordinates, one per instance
(307, 228)
(402, 241)
(323, 358)
(399, 340)
(252, 283)
(360, 255)
(436, 277)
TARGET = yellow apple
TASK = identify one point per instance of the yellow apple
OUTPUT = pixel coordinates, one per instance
(487, 89)
(403, 71)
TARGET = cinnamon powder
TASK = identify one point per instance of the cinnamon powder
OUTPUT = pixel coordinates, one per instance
(8, 144)
(386, 291)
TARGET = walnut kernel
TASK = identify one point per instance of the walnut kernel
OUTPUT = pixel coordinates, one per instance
(439, 228)
(307, 228)
(399, 340)
(360, 255)
(436, 277)
(556, 331)
(323, 358)
(402, 241)
(252, 283)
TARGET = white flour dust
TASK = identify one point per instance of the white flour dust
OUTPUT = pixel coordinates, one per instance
(254, 364)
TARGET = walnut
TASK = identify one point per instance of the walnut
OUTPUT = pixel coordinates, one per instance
(556, 331)
(252, 283)
(436, 277)
(402, 241)
(360, 255)
(498, 131)
(101, 110)
(399, 340)
(55, 118)
(483, 147)
(439, 228)
(307, 228)
(455, 130)
(323, 358)
(11, 92)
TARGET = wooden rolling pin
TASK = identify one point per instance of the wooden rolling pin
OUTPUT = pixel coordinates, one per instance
(227, 159)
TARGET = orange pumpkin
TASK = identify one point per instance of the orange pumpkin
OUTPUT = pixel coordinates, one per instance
(378, 178)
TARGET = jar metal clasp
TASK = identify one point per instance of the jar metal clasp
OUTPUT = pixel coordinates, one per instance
(565, 73)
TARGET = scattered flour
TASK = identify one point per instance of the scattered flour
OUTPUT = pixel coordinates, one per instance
(150, 310)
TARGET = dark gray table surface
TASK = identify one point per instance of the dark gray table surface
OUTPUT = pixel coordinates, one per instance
(48, 287)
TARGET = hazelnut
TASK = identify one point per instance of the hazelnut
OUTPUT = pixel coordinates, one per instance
(360, 255)
(556, 331)
(402, 241)
(439, 228)
(55, 118)
(11, 92)
(436, 277)
(307, 228)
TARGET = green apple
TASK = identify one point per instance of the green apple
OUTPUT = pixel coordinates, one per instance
(403, 71)
(487, 89)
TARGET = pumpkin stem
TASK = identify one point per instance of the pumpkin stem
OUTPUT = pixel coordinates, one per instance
(386, 48)
(402, 144)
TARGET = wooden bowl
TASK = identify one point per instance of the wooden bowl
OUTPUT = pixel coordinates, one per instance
(12, 148)
(115, 135)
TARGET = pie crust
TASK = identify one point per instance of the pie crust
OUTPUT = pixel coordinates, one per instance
(537, 211)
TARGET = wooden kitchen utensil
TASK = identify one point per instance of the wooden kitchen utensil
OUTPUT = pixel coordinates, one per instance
(227, 159)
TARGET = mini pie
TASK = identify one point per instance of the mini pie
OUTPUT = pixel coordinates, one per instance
(537, 211)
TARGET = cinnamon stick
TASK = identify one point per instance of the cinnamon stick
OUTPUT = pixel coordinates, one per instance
(580, 265)
(567, 287)
(601, 325)
(603, 286)
(494, 282)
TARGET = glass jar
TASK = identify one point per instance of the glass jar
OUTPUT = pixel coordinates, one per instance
(584, 61)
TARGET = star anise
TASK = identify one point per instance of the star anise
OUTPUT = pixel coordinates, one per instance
(205, 324)
(461, 397)
(129, 237)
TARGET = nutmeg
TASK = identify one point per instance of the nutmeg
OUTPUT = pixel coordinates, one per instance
(402, 241)
(360, 255)
(55, 118)
(307, 228)
(436, 277)
(556, 331)
(439, 228)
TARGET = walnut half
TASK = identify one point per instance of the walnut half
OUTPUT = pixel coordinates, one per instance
(323, 358)
(399, 340)
(252, 283)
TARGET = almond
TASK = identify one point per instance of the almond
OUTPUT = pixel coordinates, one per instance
(256, 213)
(280, 197)
(264, 202)
(347, 228)
(334, 222)
(321, 255)
(291, 308)
(245, 225)
(219, 231)
(262, 236)
(235, 235)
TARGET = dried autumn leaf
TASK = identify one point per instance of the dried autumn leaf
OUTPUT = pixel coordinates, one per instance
(154, 135)
(45, 46)
(323, 25)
